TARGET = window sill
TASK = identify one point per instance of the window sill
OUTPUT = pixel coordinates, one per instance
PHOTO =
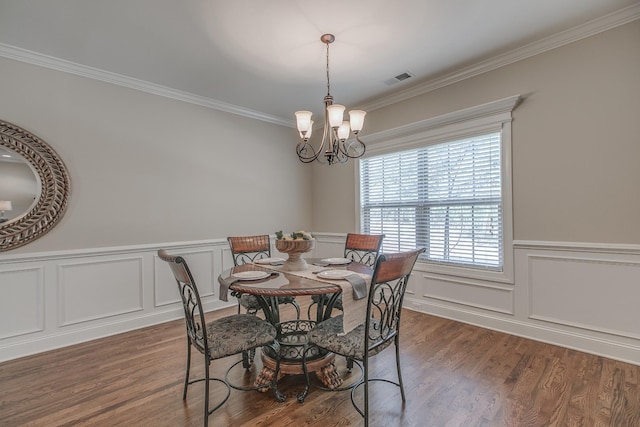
(505, 276)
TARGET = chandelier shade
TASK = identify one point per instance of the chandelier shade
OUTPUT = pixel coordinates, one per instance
(335, 145)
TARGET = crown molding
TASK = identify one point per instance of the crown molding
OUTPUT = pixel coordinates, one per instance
(23, 55)
(596, 26)
(604, 23)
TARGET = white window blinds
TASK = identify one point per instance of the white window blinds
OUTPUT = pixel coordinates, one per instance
(444, 197)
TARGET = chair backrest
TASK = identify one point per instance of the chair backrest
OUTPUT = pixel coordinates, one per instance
(193, 313)
(246, 249)
(386, 294)
(363, 248)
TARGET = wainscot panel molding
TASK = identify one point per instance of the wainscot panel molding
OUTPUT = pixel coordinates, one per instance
(474, 293)
(22, 302)
(97, 289)
(576, 295)
(582, 296)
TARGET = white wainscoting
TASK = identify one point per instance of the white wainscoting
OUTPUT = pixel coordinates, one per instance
(574, 295)
(579, 296)
(55, 299)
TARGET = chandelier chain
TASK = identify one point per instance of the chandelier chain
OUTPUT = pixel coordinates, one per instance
(328, 84)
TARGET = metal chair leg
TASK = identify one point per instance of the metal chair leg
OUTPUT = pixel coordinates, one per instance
(398, 368)
(186, 374)
(365, 363)
(349, 364)
(303, 394)
(280, 397)
(245, 360)
(206, 390)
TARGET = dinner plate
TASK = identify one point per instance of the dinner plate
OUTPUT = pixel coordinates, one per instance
(268, 260)
(337, 261)
(251, 275)
(334, 274)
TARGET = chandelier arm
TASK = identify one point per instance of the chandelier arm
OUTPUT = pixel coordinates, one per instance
(340, 157)
(359, 147)
(301, 150)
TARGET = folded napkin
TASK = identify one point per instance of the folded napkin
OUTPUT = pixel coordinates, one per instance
(224, 286)
(358, 285)
(228, 281)
(354, 303)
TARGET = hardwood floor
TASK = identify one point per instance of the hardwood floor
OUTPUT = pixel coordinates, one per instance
(455, 375)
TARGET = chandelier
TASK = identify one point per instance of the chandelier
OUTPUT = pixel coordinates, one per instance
(335, 146)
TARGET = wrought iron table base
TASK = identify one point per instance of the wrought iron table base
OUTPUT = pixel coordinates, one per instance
(292, 338)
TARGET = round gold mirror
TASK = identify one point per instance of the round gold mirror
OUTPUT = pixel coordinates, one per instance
(35, 188)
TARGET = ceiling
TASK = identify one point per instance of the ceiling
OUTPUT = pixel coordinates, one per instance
(265, 57)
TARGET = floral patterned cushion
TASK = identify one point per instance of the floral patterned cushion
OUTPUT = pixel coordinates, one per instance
(235, 334)
(326, 335)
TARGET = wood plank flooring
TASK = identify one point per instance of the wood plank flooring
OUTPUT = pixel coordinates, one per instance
(455, 375)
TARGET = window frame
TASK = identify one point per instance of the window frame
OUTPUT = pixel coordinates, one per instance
(483, 119)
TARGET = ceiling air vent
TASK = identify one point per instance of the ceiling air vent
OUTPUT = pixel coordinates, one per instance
(398, 78)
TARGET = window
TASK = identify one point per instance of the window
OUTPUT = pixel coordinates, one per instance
(445, 197)
(444, 183)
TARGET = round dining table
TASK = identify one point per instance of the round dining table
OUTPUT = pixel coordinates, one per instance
(268, 282)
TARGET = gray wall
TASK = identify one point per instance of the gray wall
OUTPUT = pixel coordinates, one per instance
(148, 169)
(140, 164)
(576, 141)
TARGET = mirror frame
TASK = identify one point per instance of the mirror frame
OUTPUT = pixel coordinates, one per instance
(55, 187)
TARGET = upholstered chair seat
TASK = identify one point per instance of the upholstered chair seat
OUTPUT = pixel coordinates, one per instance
(351, 344)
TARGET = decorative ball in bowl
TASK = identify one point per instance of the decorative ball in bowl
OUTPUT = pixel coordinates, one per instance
(295, 248)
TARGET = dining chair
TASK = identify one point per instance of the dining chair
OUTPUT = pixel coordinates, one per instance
(246, 249)
(220, 338)
(362, 248)
(380, 328)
